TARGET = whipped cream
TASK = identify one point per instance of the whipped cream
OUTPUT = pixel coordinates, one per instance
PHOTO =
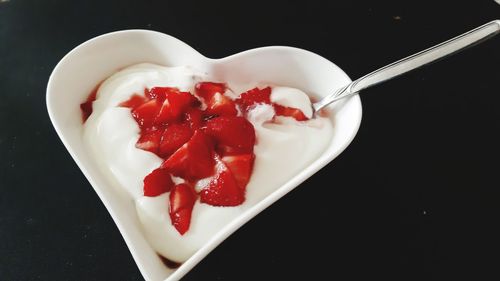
(282, 150)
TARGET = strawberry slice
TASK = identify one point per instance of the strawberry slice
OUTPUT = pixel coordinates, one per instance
(235, 132)
(182, 200)
(222, 190)
(241, 167)
(289, 111)
(145, 114)
(193, 117)
(206, 90)
(194, 160)
(174, 105)
(173, 137)
(150, 140)
(221, 105)
(157, 183)
(252, 97)
(134, 101)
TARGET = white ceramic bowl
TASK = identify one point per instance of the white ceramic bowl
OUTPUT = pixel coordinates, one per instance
(91, 62)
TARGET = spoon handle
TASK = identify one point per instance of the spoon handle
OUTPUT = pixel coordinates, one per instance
(412, 62)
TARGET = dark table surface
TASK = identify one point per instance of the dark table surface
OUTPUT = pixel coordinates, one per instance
(415, 196)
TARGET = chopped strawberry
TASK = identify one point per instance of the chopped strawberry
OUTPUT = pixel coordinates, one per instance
(207, 89)
(241, 167)
(194, 117)
(157, 183)
(150, 140)
(194, 160)
(225, 150)
(222, 190)
(134, 101)
(221, 105)
(147, 94)
(174, 136)
(160, 93)
(235, 132)
(254, 96)
(146, 113)
(174, 105)
(290, 111)
(86, 107)
(182, 200)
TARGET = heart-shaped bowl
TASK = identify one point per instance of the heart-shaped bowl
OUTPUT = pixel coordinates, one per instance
(85, 66)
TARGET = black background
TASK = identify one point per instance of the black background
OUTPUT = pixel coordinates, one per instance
(415, 196)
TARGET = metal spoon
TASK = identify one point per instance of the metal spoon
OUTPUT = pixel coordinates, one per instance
(412, 62)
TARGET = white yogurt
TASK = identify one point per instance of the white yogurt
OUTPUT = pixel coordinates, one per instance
(291, 97)
(110, 133)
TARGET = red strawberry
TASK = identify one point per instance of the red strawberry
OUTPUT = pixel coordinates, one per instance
(194, 160)
(174, 136)
(207, 89)
(86, 107)
(147, 94)
(235, 132)
(160, 93)
(194, 117)
(225, 150)
(253, 97)
(241, 167)
(223, 190)
(150, 140)
(289, 111)
(182, 200)
(146, 113)
(157, 183)
(134, 101)
(174, 105)
(221, 105)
